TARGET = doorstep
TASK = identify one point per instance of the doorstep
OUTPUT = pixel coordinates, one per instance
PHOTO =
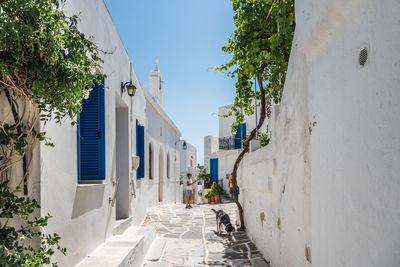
(127, 249)
(122, 225)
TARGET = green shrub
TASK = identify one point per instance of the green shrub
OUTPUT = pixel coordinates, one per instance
(209, 195)
(217, 189)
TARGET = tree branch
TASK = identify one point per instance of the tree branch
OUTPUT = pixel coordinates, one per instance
(18, 123)
(247, 143)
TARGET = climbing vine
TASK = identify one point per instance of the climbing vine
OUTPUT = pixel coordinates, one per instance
(260, 48)
(46, 68)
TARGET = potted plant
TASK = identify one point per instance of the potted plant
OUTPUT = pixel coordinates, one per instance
(220, 191)
(217, 191)
(212, 198)
(208, 196)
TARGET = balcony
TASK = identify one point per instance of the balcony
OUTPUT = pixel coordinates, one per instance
(230, 143)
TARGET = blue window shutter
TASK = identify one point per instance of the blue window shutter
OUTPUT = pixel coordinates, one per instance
(240, 135)
(91, 136)
(213, 170)
(140, 149)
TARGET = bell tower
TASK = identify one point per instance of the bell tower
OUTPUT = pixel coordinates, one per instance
(156, 84)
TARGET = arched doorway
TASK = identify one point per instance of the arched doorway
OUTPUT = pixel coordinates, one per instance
(160, 174)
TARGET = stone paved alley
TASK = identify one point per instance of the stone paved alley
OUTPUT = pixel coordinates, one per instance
(187, 237)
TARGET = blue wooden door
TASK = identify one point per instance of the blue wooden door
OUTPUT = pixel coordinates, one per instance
(140, 149)
(91, 136)
(213, 170)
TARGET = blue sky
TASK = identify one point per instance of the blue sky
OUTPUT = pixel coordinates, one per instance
(187, 36)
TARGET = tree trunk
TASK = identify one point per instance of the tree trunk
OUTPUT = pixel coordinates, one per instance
(247, 146)
(19, 132)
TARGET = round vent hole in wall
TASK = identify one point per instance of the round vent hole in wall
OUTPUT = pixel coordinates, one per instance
(363, 57)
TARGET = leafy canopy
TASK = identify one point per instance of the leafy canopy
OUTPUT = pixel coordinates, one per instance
(42, 49)
(260, 48)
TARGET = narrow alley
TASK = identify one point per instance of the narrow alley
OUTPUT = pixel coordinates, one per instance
(115, 114)
(187, 237)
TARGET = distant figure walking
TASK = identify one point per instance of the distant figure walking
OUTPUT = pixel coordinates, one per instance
(189, 190)
(231, 185)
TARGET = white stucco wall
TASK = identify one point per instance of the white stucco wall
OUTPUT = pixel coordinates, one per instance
(188, 158)
(225, 123)
(210, 146)
(163, 137)
(327, 181)
(355, 160)
(82, 214)
(188, 164)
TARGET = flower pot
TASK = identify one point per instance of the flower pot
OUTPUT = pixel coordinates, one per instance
(213, 199)
(209, 200)
(217, 198)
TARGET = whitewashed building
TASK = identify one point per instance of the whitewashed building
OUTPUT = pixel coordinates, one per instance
(121, 159)
(188, 164)
(220, 152)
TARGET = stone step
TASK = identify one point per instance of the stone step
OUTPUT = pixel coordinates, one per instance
(121, 226)
(157, 264)
(127, 249)
(156, 249)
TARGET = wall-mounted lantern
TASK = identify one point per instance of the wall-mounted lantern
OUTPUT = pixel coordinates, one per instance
(184, 145)
(129, 87)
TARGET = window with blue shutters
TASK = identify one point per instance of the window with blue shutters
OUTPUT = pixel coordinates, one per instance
(140, 149)
(240, 135)
(91, 136)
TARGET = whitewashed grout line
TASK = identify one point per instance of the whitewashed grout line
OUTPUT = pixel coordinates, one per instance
(248, 253)
(234, 238)
(163, 251)
(204, 238)
(186, 229)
